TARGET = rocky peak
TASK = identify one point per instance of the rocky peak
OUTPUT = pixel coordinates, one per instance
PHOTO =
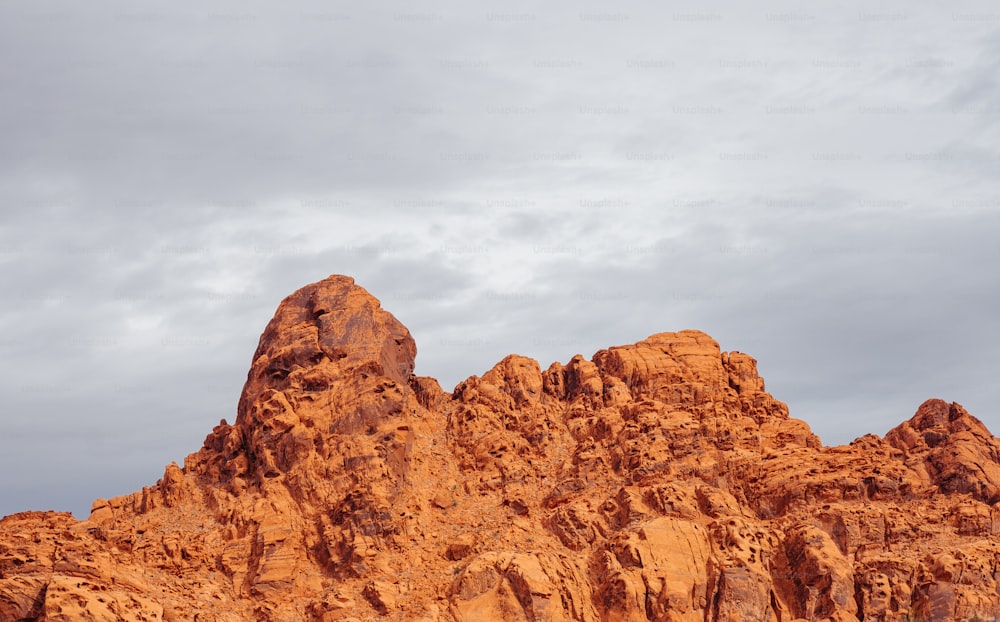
(322, 333)
(953, 448)
(936, 420)
(331, 365)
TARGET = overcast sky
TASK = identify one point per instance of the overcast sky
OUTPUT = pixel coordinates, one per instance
(815, 184)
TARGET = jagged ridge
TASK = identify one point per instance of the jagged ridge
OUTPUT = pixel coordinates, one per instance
(656, 481)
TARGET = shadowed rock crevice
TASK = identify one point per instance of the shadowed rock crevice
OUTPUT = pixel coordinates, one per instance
(652, 481)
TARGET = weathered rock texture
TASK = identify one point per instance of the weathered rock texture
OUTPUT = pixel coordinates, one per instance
(656, 481)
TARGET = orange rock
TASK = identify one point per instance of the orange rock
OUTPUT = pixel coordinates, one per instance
(654, 481)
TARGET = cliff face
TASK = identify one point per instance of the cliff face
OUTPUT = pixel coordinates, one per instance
(657, 481)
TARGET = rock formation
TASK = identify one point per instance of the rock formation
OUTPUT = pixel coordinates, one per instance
(655, 481)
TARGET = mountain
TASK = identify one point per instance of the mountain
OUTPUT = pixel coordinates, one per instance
(655, 481)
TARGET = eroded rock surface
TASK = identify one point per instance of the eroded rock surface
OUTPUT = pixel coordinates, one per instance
(655, 481)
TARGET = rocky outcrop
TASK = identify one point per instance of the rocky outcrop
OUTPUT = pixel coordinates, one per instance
(654, 481)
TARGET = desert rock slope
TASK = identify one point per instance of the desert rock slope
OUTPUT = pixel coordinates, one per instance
(654, 481)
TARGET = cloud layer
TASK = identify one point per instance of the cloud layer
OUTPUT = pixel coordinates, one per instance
(816, 188)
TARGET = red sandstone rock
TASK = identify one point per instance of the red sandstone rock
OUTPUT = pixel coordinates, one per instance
(655, 481)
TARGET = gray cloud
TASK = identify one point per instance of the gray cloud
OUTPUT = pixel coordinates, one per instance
(815, 188)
